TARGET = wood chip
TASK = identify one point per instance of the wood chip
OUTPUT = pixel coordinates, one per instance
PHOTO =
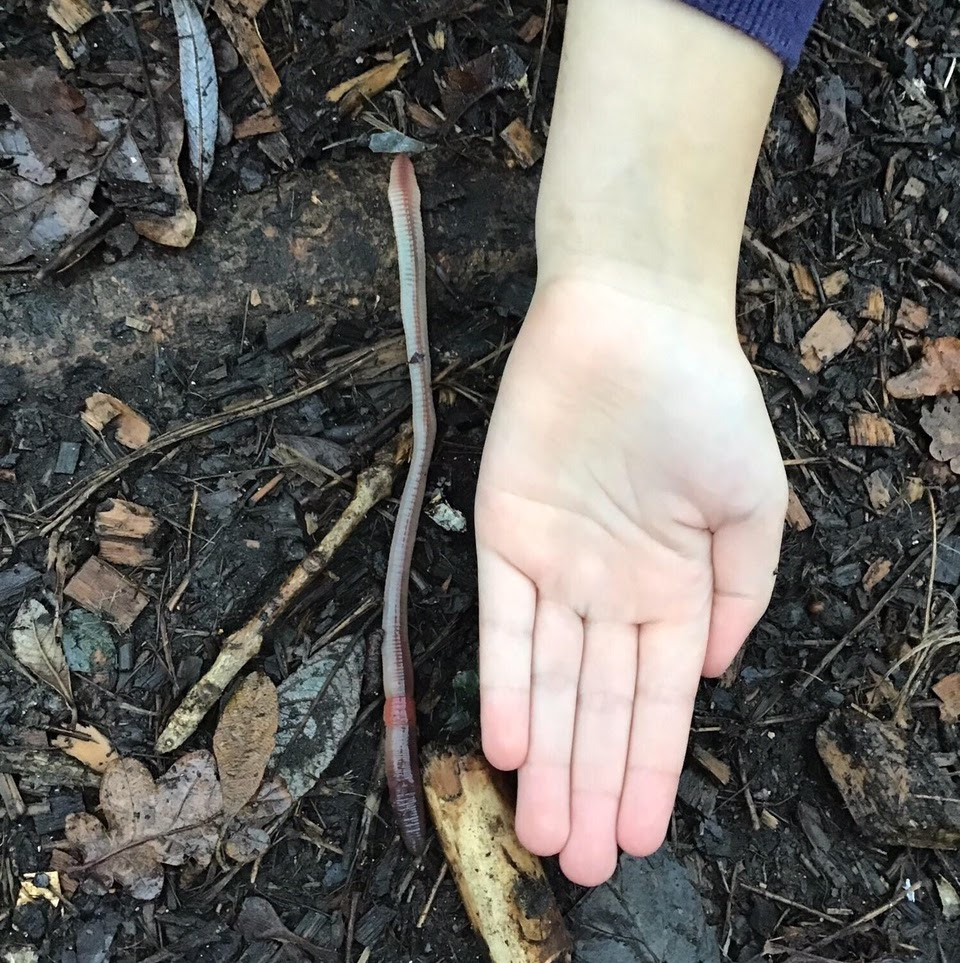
(871, 430)
(807, 111)
(522, 143)
(127, 532)
(913, 490)
(803, 279)
(914, 189)
(797, 516)
(133, 430)
(87, 745)
(504, 888)
(352, 94)
(834, 283)
(531, 29)
(896, 793)
(912, 317)
(716, 767)
(262, 122)
(242, 29)
(947, 690)
(101, 589)
(878, 491)
(878, 570)
(874, 306)
(830, 335)
(71, 15)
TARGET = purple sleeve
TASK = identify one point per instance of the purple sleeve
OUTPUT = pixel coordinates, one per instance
(781, 25)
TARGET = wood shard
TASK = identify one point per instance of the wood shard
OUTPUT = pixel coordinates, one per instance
(71, 15)
(522, 143)
(807, 111)
(797, 516)
(503, 887)
(242, 30)
(830, 335)
(716, 767)
(894, 790)
(127, 532)
(874, 305)
(133, 430)
(912, 317)
(352, 94)
(871, 430)
(101, 589)
(834, 283)
(803, 279)
(531, 29)
(262, 122)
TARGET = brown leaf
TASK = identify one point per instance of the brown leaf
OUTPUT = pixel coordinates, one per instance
(936, 373)
(90, 746)
(942, 424)
(249, 840)
(47, 110)
(244, 740)
(148, 824)
(353, 93)
(947, 691)
(35, 635)
(133, 430)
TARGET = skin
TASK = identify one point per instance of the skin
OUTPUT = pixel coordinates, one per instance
(631, 496)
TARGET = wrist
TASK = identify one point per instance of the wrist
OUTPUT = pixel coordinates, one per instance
(658, 120)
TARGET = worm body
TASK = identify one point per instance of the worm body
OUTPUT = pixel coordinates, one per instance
(399, 711)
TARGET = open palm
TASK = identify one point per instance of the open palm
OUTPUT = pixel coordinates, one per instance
(629, 513)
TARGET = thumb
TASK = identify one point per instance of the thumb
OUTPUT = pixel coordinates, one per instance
(745, 555)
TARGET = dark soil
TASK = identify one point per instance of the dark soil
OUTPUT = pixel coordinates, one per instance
(315, 237)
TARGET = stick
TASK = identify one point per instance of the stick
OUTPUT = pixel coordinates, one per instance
(373, 485)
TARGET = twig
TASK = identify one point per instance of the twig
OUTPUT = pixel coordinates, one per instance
(93, 483)
(766, 894)
(373, 485)
(433, 895)
(547, 18)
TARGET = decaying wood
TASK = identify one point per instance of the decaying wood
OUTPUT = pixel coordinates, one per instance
(503, 887)
(46, 767)
(894, 790)
(101, 589)
(373, 485)
(127, 532)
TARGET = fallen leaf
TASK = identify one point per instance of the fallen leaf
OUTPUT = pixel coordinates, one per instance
(198, 87)
(247, 839)
(48, 110)
(90, 746)
(942, 424)
(36, 644)
(949, 899)
(318, 704)
(37, 219)
(829, 335)
(833, 134)
(245, 739)
(148, 824)
(133, 430)
(947, 690)
(871, 430)
(912, 317)
(258, 921)
(936, 373)
(352, 94)
(14, 146)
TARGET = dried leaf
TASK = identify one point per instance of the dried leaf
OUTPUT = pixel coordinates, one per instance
(245, 739)
(91, 747)
(133, 430)
(249, 840)
(49, 112)
(353, 93)
(942, 424)
(947, 690)
(148, 823)
(318, 704)
(37, 219)
(198, 87)
(36, 644)
(949, 899)
(936, 373)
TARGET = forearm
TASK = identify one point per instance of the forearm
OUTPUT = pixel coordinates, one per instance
(657, 124)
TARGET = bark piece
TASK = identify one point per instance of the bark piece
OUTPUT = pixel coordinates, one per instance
(797, 516)
(503, 886)
(894, 790)
(830, 335)
(101, 589)
(522, 142)
(127, 532)
(871, 430)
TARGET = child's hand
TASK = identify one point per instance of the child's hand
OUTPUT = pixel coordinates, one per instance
(629, 513)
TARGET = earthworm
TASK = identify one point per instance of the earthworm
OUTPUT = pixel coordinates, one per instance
(399, 709)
